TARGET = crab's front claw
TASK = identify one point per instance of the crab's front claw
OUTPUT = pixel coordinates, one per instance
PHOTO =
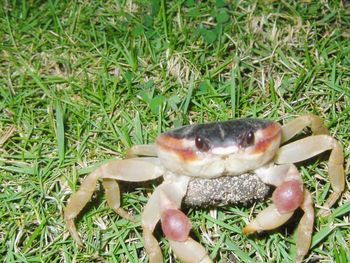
(267, 219)
(271, 218)
(310, 146)
(176, 227)
(190, 251)
(288, 196)
(164, 205)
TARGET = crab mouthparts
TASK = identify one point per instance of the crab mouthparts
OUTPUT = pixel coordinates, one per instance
(225, 150)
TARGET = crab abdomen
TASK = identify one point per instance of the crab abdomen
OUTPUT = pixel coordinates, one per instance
(225, 190)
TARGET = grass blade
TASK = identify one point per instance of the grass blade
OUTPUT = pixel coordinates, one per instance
(60, 132)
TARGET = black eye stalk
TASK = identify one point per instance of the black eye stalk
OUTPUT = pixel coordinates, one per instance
(201, 144)
(247, 140)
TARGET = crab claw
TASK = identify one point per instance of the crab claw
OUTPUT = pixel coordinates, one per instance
(267, 219)
(288, 196)
(190, 251)
(175, 225)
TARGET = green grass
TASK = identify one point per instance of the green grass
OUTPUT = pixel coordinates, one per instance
(81, 82)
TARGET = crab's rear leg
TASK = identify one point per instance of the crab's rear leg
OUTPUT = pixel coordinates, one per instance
(290, 129)
(133, 170)
(311, 146)
(112, 191)
(77, 202)
(164, 206)
(304, 231)
(288, 196)
(141, 150)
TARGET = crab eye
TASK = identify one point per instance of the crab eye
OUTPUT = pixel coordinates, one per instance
(201, 144)
(248, 139)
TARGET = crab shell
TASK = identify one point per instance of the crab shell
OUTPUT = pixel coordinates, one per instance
(226, 151)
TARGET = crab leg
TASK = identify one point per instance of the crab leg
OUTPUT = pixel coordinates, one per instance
(308, 147)
(288, 196)
(134, 170)
(164, 205)
(295, 126)
(77, 202)
(142, 150)
(112, 187)
(113, 197)
(304, 231)
(150, 218)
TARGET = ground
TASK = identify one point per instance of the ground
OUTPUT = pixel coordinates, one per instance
(80, 82)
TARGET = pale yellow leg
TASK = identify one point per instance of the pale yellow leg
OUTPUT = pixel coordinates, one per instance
(149, 219)
(141, 150)
(336, 175)
(77, 202)
(305, 227)
(113, 198)
(295, 126)
(152, 247)
(134, 170)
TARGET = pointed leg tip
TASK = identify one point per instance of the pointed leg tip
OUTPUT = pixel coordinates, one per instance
(79, 243)
(124, 214)
(73, 232)
(77, 239)
(249, 229)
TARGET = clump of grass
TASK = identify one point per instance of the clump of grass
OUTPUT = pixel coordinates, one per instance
(81, 82)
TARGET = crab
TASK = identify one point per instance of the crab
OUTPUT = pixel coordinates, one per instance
(195, 160)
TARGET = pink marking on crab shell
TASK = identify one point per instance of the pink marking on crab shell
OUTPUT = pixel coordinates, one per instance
(270, 134)
(175, 145)
(288, 196)
(175, 225)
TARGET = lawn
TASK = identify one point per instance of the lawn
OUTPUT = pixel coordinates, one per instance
(80, 82)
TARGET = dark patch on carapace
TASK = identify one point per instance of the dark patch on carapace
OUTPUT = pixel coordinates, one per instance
(220, 133)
